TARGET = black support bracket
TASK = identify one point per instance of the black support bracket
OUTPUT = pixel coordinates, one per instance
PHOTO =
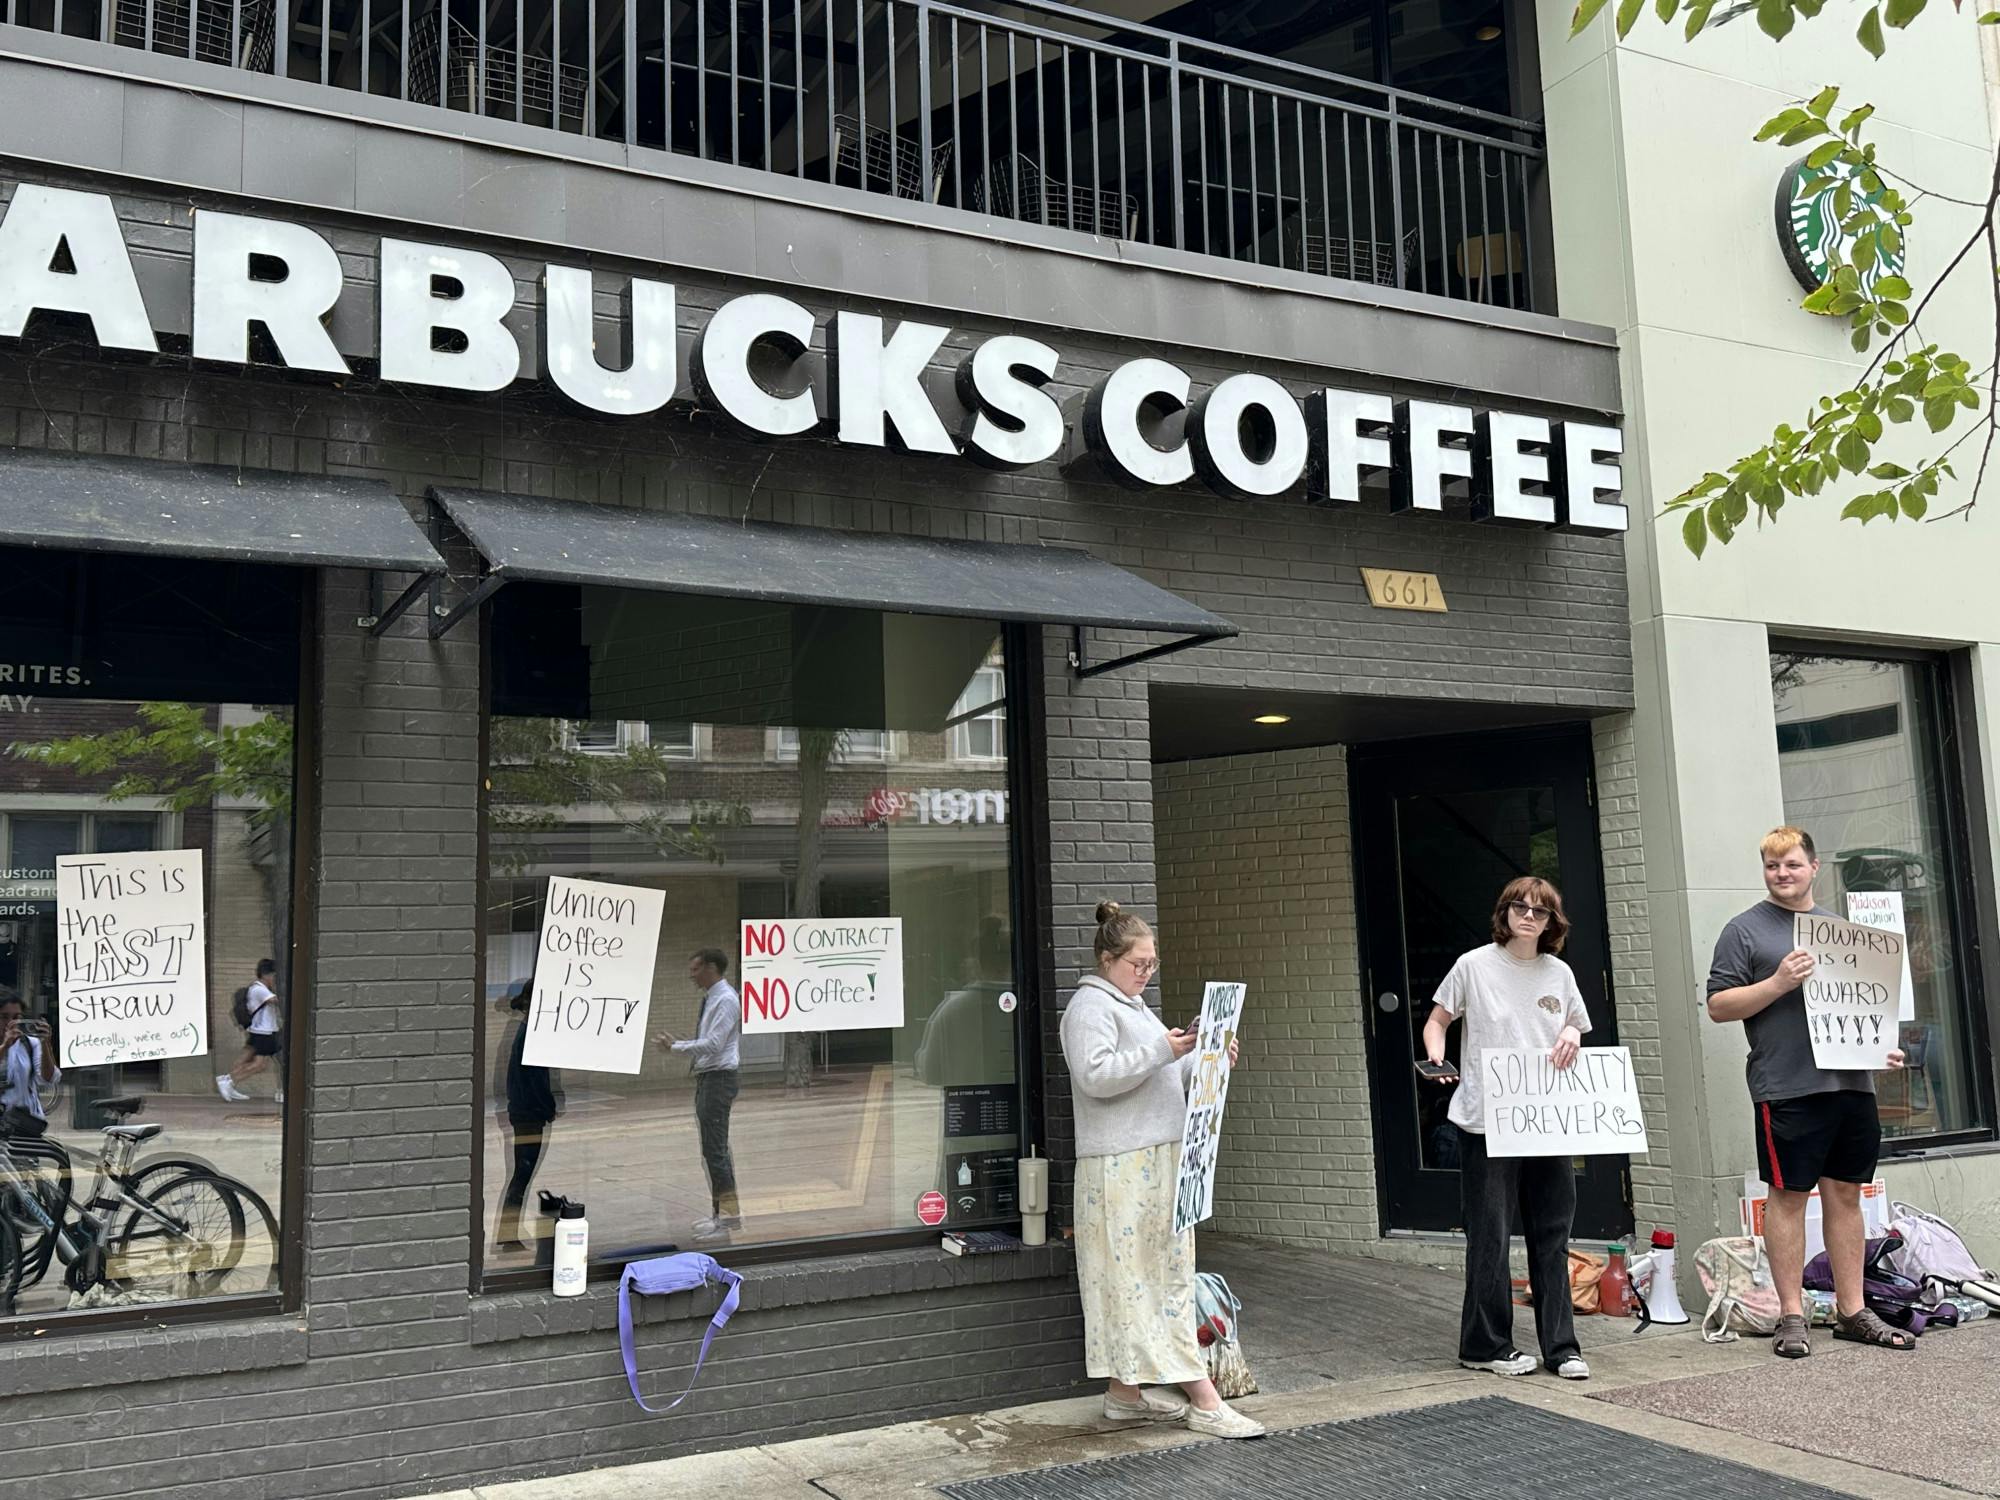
(1080, 663)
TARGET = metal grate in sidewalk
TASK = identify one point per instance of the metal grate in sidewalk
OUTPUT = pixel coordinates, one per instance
(1468, 1450)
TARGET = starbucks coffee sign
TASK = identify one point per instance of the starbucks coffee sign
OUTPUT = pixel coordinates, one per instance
(1809, 224)
(441, 322)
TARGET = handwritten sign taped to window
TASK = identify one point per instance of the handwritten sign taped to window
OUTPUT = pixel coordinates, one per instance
(1853, 993)
(1208, 1092)
(822, 974)
(594, 976)
(1534, 1108)
(131, 957)
(1884, 909)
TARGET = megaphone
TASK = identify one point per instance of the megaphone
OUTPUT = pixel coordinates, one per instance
(1653, 1285)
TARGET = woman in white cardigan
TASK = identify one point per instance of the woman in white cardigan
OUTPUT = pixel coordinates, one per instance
(1128, 1080)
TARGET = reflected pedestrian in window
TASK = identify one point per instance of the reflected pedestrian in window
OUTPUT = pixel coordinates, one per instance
(261, 1037)
(1513, 992)
(1128, 1080)
(27, 1069)
(713, 1053)
(534, 1100)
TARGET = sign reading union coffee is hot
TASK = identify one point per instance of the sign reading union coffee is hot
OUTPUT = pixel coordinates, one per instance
(440, 323)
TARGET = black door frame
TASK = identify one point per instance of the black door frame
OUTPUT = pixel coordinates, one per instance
(1378, 774)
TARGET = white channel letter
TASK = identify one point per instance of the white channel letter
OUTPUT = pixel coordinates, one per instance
(722, 363)
(1215, 431)
(412, 311)
(1423, 462)
(1013, 422)
(879, 384)
(1111, 423)
(103, 289)
(227, 300)
(569, 344)
(1590, 487)
(1506, 468)
(1340, 449)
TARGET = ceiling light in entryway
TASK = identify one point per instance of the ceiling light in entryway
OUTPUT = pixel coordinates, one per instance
(1274, 719)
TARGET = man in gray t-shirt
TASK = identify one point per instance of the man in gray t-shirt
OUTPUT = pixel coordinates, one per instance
(1814, 1127)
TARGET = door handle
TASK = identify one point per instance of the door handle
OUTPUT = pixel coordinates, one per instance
(1390, 1001)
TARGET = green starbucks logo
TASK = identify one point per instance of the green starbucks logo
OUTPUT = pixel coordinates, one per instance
(1809, 227)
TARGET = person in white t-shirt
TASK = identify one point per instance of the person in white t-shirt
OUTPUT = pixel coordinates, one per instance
(262, 1038)
(1513, 992)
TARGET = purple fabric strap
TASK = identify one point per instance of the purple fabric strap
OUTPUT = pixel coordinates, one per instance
(659, 1278)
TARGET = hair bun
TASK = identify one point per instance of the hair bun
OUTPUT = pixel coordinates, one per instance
(1106, 910)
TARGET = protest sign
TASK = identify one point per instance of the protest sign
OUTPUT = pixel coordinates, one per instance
(131, 957)
(1534, 1108)
(822, 974)
(1851, 997)
(594, 976)
(1884, 909)
(1208, 1091)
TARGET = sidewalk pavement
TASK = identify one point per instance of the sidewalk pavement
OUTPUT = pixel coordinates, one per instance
(1362, 1337)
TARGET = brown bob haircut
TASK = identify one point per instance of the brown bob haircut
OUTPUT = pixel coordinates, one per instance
(1536, 892)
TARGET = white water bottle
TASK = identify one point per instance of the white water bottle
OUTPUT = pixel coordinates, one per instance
(572, 1257)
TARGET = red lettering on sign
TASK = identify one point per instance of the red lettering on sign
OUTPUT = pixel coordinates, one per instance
(771, 997)
(766, 937)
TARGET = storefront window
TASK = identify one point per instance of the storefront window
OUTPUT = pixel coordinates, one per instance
(1862, 761)
(798, 762)
(146, 725)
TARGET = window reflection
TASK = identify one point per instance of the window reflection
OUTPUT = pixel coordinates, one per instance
(789, 762)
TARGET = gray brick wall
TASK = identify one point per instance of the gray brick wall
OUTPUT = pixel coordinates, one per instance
(390, 1346)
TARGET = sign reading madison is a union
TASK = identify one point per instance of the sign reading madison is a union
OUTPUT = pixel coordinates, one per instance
(440, 324)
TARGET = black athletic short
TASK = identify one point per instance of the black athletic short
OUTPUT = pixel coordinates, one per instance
(263, 1043)
(1801, 1140)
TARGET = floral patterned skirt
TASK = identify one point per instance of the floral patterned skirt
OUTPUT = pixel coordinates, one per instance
(1136, 1275)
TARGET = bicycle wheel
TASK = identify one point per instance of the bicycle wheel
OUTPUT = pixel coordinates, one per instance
(38, 1200)
(258, 1268)
(182, 1239)
(10, 1266)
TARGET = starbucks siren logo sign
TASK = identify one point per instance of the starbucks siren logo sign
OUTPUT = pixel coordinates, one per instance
(1810, 231)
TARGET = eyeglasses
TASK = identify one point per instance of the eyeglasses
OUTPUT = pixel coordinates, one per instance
(1532, 913)
(1144, 966)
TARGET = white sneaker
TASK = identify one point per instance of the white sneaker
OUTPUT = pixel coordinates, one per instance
(226, 1087)
(1507, 1364)
(1152, 1406)
(1224, 1422)
(1574, 1368)
(279, 1097)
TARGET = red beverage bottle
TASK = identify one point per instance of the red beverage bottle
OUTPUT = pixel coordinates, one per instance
(1614, 1287)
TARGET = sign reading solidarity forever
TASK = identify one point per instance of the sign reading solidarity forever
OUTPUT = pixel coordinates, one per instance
(1201, 1132)
(1534, 1108)
(822, 974)
(131, 957)
(1853, 993)
(594, 976)
(1884, 909)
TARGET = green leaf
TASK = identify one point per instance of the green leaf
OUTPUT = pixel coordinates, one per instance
(1856, 118)
(1779, 123)
(1892, 241)
(1775, 18)
(1869, 426)
(1720, 520)
(1586, 12)
(1899, 408)
(1860, 341)
(1824, 100)
(1819, 301)
(1698, 16)
(1991, 18)
(1900, 13)
(1694, 533)
(1938, 412)
(1914, 504)
(1857, 509)
(1665, 9)
(1892, 289)
(1853, 452)
(1862, 254)
(1628, 13)
(1889, 471)
(1870, 33)
(1803, 130)
(1894, 314)
(1824, 155)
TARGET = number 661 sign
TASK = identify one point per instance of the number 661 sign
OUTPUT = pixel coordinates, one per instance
(1389, 588)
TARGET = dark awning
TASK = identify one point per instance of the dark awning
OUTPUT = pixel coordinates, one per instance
(93, 503)
(552, 541)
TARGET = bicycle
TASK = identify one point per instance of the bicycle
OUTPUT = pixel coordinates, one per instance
(165, 1228)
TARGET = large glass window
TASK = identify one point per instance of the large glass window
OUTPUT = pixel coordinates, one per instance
(146, 706)
(1862, 758)
(825, 784)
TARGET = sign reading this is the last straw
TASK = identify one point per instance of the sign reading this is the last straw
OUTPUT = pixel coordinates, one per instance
(131, 957)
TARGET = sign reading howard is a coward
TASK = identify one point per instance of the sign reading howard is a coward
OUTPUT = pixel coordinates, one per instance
(822, 974)
(131, 957)
(1853, 993)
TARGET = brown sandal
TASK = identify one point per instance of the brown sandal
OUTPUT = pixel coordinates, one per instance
(1866, 1327)
(1788, 1339)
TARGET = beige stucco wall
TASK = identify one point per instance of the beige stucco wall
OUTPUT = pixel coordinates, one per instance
(1664, 225)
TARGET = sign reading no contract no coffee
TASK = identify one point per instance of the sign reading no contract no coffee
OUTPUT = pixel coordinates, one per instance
(822, 974)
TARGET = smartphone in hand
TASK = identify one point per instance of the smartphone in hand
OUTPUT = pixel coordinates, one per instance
(1431, 1072)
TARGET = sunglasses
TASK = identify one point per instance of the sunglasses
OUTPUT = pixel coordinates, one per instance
(1532, 913)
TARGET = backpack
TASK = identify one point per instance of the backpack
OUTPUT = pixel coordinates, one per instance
(1931, 1250)
(1742, 1298)
(1896, 1299)
(239, 1008)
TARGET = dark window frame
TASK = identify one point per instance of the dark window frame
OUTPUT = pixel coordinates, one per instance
(1027, 881)
(1951, 753)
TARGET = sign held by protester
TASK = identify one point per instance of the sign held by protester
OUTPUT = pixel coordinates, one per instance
(131, 957)
(822, 974)
(594, 976)
(1853, 992)
(1534, 1108)
(1884, 909)
(1208, 1091)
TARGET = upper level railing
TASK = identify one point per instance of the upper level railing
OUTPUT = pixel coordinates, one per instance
(1069, 119)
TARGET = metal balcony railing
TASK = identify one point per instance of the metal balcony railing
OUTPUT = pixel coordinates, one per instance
(1042, 113)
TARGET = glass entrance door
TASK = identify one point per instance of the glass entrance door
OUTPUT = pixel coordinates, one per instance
(1442, 826)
